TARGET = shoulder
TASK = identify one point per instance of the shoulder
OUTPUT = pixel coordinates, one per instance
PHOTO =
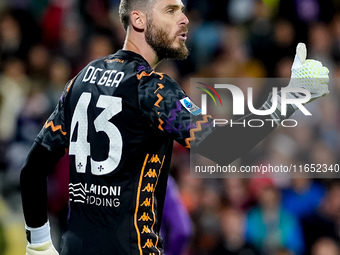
(150, 77)
(155, 86)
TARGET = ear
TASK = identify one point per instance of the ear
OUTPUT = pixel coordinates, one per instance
(138, 20)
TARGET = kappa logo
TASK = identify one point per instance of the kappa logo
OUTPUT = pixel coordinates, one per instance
(146, 230)
(154, 159)
(151, 173)
(148, 244)
(145, 217)
(147, 202)
(149, 188)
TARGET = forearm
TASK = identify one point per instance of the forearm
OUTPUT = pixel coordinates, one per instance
(33, 181)
(228, 143)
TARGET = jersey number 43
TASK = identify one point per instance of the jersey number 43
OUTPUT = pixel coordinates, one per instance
(81, 148)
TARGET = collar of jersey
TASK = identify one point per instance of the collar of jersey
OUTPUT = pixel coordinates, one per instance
(132, 55)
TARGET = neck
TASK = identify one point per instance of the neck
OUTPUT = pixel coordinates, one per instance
(136, 43)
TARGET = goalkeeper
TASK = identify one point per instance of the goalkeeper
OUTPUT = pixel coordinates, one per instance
(118, 119)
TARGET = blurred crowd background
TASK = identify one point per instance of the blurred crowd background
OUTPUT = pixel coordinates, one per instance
(44, 43)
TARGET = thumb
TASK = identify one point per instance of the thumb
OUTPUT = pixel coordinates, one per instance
(300, 56)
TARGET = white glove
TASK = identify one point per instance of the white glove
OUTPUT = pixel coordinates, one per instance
(45, 248)
(39, 241)
(309, 81)
(308, 74)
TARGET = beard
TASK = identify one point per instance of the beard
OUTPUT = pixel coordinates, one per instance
(159, 40)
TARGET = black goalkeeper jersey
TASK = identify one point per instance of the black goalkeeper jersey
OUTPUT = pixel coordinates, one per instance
(118, 119)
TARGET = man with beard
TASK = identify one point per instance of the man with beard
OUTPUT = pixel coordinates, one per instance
(118, 119)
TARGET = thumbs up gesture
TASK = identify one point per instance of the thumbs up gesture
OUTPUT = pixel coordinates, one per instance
(309, 74)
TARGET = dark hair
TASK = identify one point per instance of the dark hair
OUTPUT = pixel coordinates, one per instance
(127, 6)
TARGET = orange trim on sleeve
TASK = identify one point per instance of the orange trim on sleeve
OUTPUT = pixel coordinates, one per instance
(160, 86)
(145, 74)
(160, 98)
(197, 129)
(161, 122)
(69, 86)
(187, 142)
(54, 128)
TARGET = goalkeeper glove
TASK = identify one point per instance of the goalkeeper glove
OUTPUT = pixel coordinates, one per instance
(45, 248)
(39, 241)
(307, 76)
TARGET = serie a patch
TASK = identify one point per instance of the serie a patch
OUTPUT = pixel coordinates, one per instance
(190, 106)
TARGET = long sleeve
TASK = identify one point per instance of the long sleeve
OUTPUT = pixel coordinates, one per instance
(170, 110)
(33, 181)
